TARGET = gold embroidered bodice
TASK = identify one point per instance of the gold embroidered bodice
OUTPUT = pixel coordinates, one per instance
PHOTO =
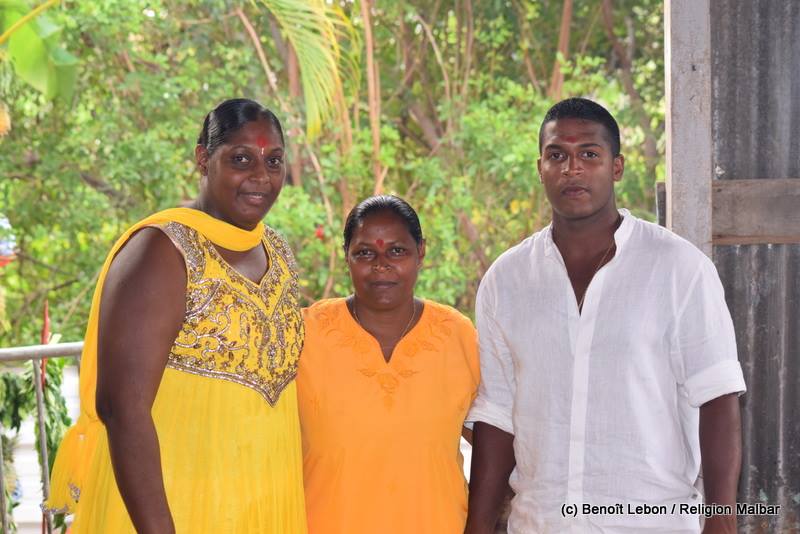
(235, 329)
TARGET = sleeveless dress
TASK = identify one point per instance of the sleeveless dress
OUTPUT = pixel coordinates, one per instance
(381, 440)
(226, 409)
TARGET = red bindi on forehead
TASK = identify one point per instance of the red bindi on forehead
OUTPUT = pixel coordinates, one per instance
(261, 141)
(379, 242)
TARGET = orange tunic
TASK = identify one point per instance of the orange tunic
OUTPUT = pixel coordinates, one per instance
(381, 440)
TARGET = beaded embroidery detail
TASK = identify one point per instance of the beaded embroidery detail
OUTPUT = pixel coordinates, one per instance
(235, 329)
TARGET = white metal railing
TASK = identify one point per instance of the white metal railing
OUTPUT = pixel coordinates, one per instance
(34, 354)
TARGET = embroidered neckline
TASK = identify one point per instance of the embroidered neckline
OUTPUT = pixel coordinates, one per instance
(412, 332)
(235, 329)
(230, 268)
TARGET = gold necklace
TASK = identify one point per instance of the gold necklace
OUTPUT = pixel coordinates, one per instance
(405, 331)
(580, 302)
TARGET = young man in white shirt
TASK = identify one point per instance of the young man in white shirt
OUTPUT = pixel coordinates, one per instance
(608, 362)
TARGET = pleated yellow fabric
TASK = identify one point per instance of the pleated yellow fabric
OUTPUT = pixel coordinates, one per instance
(226, 409)
(253, 486)
(381, 440)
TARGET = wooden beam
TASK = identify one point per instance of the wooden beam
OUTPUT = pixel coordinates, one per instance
(755, 211)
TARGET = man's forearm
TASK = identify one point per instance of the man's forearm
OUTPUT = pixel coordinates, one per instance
(721, 457)
(492, 463)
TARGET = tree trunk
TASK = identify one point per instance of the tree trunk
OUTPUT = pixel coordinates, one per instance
(473, 235)
(373, 97)
(626, 74)
(526, 37)
(345, 146)
(557, 79)
(469, 40)
(295, 93)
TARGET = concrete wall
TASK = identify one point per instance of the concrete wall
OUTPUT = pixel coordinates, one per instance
(687, 49)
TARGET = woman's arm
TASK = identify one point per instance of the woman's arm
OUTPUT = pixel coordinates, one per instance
(141, 311)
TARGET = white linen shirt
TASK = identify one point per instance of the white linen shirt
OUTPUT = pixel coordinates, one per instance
(603, 404)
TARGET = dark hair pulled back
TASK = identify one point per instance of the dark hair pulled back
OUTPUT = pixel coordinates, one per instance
(379, 204)
(228, 117)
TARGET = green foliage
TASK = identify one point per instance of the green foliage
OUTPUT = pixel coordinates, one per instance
(297, 216)
(36, 53)
(315, 30)
(15, 403)
(56, 418)
(3, 321)
(459, 132)
(11, 481)
(108, 136)
(18, 402)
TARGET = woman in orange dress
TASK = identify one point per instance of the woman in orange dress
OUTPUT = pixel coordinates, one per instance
(384, 383)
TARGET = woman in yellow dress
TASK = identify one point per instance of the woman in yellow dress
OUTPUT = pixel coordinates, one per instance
(384, 383)
(189, 417)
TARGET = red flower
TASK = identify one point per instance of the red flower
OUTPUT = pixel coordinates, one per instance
(319, 233)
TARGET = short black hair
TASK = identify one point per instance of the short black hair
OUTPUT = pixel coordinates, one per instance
(378, 204)
(225, 119)
(584, 109)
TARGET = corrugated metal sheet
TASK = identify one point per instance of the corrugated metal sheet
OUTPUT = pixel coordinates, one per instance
(762, 287)
(756, 132)
(755, 77)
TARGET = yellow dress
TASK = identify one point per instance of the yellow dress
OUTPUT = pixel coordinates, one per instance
(381, 440)
(225, 412)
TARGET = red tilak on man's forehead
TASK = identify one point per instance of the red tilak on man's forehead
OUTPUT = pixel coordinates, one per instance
(379, 242)
(570, 138)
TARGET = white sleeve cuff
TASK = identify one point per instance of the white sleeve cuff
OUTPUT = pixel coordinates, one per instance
(720, 379)
(484, 411)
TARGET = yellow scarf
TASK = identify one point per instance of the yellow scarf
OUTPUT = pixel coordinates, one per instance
(77, 448)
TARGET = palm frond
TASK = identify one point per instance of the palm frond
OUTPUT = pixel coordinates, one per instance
(316, 31)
